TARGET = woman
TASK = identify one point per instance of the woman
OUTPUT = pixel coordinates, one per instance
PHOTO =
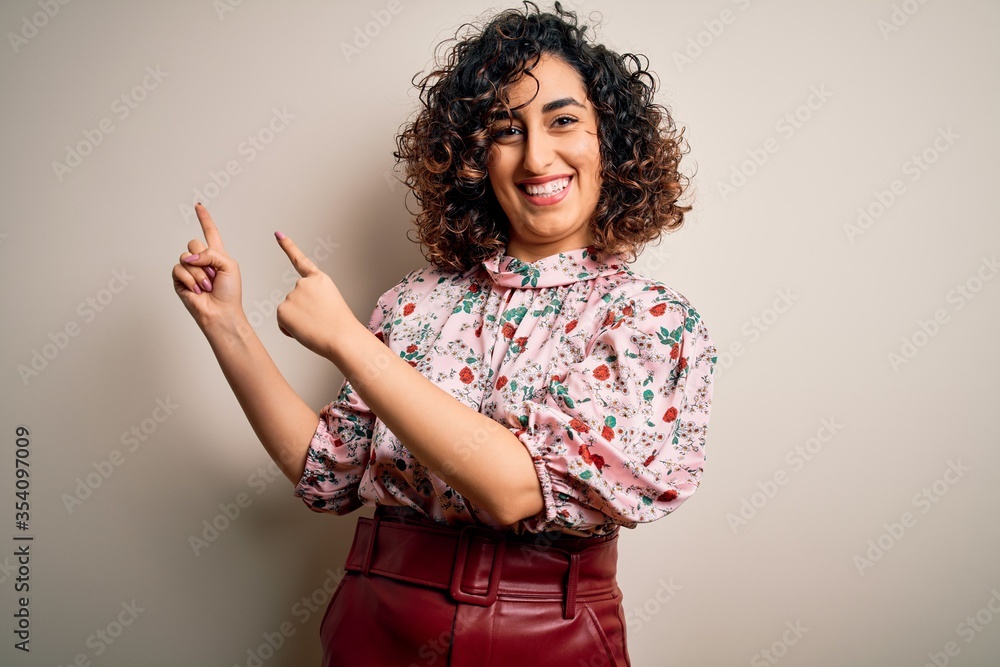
(516, 401)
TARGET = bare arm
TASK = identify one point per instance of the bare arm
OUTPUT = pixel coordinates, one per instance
(283, 422)
(207, 281)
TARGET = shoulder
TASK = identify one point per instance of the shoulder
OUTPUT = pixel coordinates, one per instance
(652, 324)
(422, 280)
(412, 287)
(428, 288)
(422, 295)
(647, 304)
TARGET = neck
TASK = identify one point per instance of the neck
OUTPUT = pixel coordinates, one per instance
(536, 251)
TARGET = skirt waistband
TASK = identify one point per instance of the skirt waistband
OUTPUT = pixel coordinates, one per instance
(475, 565)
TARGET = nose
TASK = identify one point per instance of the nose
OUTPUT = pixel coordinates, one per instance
(539, 152)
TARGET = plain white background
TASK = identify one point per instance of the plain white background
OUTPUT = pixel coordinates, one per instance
(841, 251)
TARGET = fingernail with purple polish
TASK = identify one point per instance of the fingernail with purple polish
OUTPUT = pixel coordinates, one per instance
(207, 285)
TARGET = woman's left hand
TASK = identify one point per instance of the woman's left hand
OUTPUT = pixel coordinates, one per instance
(314, 312)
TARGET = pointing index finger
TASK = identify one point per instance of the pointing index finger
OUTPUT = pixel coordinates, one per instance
(302, 264)
(212, 236)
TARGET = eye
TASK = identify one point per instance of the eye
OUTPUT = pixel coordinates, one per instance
(564, 121)
(504, 132)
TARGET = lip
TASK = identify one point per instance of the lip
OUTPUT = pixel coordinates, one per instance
(538, 180)
(545, 201)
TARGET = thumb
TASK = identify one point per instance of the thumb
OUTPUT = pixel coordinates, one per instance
(302, 264)
(208, 258)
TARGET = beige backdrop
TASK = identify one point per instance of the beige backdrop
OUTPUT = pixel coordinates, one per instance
(842, 250)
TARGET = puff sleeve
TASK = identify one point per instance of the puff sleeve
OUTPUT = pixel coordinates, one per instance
(341, 446)
(619, 438)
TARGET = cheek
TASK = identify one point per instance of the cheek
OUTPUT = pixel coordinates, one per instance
(587, 154)
(589, 164)
(498, 169)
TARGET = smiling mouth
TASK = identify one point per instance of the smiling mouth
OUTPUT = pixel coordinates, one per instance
(548, 189)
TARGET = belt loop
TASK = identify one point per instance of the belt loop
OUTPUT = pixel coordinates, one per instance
(366, 565)
(574, 576)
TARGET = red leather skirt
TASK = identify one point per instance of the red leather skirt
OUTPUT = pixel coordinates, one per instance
(420, 593)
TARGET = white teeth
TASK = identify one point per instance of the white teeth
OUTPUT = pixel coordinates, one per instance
(547, 189)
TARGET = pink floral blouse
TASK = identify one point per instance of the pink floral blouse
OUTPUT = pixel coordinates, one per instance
(604, 375)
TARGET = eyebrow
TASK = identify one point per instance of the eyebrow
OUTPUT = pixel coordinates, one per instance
(546, 108)
(559, 104)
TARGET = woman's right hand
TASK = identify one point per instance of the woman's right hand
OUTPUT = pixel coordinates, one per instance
(207, 280)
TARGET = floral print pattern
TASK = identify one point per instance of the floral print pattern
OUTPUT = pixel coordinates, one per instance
(604, 375)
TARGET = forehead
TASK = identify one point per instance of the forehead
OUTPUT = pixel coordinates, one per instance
(553, 78)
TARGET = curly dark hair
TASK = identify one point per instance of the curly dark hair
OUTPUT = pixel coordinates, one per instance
(445, 149)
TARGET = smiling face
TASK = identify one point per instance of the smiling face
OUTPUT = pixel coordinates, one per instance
(545, 164)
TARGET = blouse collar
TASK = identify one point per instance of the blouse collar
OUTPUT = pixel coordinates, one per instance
(564, 268)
